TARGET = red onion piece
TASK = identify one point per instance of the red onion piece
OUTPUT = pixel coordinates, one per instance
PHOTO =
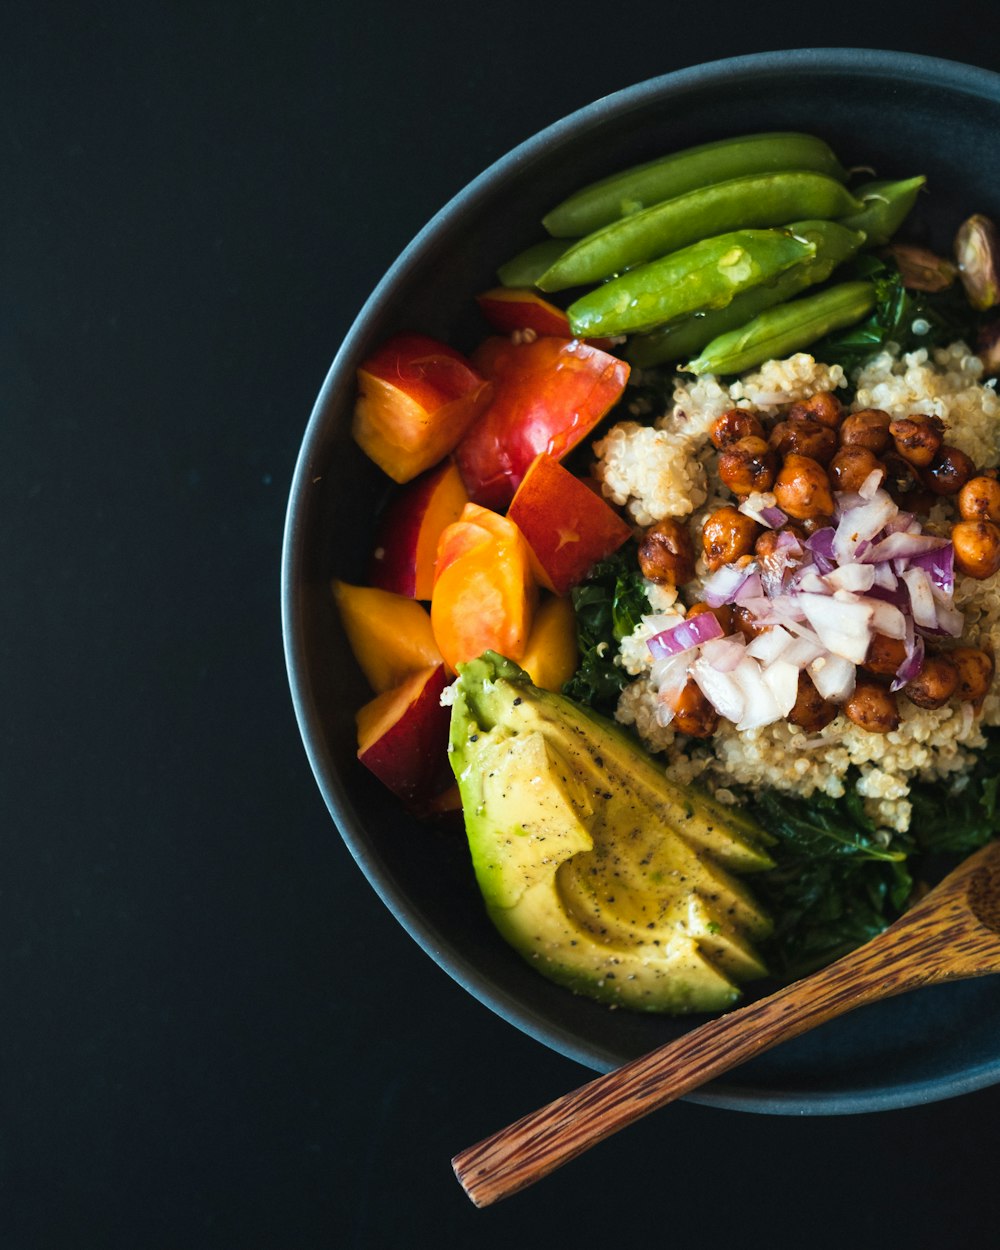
(690, 633)
(923, 607)
(723, 584)
(911, 665)
(939, 565)
(773, 517)
(904, 546)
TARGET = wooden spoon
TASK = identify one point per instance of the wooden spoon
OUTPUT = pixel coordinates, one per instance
(952, 934)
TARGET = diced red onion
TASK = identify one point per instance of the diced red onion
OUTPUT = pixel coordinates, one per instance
(751, 589)
(833, 676)
(856, 577)
(724, 653)
(722, 690)
(861, 524)
(903, 545)
(762, 507)
(782, 679)
(773, 517)
(723, 584)
(923, 607)
(689, 633)
(768, 646)
(821, 546)
(939, 564)
(843, 628)
(887, 619)
(885, 578)
(871, 484)
(911, 665)
(760, 707)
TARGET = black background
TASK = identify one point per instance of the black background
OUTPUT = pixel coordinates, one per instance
(212, 1033)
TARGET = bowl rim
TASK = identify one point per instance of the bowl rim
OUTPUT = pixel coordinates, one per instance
(958, 77)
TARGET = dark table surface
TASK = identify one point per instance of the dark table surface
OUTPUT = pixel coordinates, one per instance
(212, 1032)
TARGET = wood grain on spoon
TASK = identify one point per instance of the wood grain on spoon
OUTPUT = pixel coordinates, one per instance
(952, 934)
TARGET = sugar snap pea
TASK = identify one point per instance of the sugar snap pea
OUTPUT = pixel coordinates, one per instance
(788, 328)
(527, 267)
(884, 207)
(642, 185)
(706, 274)
(755, 201)
(680, 339)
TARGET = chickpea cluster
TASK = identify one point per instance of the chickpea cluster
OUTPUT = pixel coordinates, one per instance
(814, 450)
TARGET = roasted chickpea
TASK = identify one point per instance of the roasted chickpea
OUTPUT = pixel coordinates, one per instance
(851, 467)
(867, 428)
(885, 655)
(949, 471)
(977, 548)
(917, 438)
(934, 685)
(727, 535)
(802, 489)
(823, 407)
(979, 499)
(811, 711)
(733, 425)
(872, 706)
(723, 614)
(666, 553)
(803, 438)
(975, 673)
(746, 623)
(693, 714)
(901, 479)
(747, 466)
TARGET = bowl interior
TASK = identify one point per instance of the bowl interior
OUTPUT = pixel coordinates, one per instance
(901, 115)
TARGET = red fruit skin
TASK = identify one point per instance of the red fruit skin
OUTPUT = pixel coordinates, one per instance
(403, 739)
(548, 395)
(565, 524)
(408, 532)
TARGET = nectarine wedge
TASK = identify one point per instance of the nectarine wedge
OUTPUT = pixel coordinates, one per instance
(403, 739)
(390, 635)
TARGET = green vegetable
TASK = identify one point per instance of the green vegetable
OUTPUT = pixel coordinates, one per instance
(757, 201)
(527, 267)
(682, 339)
(633, 189)
(885, 206)
(787, 328)
(910, 319)
(707, 274)
(608, 605)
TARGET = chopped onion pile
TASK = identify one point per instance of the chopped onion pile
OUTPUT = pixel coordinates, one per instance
(822, 600)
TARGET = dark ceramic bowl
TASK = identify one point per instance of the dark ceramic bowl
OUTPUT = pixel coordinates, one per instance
(901, 114)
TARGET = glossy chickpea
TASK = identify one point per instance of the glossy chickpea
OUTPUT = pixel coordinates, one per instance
(979, 499)
(852, 466)
(804, 437)
(872, 706)
(975, 673)
(666, 553)
(949, 471)
(977, 548)
(903, 483)
(823, 407)
(747, 465)
(727, 535)
(723, 614)
(693, 714)
(811, 711)
(733, 425)
(867, 428)
(917, 438)
(885, 655)
(746, 623)
(802, 489)
(935, 684)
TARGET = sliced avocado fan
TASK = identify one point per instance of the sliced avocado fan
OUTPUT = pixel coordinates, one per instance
(606, 876)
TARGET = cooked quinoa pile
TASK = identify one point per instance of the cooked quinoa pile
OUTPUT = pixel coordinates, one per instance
(669, 469)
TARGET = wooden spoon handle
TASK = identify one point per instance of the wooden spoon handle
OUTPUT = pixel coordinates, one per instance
(542, 1141)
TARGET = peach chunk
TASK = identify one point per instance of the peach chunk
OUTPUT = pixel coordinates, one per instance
(416, 399)
(566, 524)
(403, 739)
(550, 657)
(390, 635)
(407, 538)
(484, 592)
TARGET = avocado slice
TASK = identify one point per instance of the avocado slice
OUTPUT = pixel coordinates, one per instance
(609, 878)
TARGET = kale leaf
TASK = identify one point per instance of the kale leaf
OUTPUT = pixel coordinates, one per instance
(609, 604)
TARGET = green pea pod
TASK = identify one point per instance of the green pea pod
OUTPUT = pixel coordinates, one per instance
(788, 328)
(707, 274)
(884, 208)
(527, 267)
(753, 202)
(633, 189)
(680, 339)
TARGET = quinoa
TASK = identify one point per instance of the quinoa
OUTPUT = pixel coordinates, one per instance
(669, 469)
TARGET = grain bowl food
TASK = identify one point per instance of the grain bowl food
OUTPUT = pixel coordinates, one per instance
(670, 469)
